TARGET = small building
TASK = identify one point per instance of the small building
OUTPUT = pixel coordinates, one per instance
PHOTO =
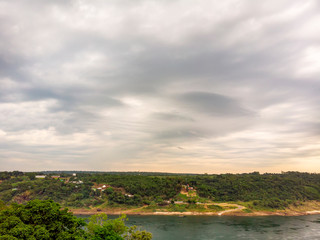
(77, 182)
(55, 177)
(74, 174)
(100, 187)
(64, 179)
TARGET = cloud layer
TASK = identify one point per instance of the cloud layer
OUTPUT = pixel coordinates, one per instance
(178, 86)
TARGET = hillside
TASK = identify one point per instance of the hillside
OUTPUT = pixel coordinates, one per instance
(161, 192)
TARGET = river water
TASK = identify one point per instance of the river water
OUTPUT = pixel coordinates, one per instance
(227, 227)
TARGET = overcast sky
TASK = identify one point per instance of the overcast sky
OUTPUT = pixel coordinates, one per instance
(174, 86)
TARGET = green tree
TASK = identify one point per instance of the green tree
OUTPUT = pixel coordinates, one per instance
(40, 220)
(102, 228)
(47, 221)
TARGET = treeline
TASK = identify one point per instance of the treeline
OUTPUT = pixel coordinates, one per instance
(263, 190)
(247, 187)
(266, 191)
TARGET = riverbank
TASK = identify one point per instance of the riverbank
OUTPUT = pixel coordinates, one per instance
(256, 213)
(309, 208)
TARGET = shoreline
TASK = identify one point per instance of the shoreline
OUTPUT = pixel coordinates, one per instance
(234, 213)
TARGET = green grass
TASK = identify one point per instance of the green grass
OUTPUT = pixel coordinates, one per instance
(230, 207)
(215, 208)
(177, 208)
(247, 210)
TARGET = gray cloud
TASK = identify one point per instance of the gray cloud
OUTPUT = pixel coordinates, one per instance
(213, 104)
(171, 117)
(128, 85)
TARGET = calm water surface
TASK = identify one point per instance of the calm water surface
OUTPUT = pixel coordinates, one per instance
(224, 227)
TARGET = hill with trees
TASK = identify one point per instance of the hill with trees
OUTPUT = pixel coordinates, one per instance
(105, 190)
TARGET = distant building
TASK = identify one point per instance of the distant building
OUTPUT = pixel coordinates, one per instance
(77, 182)
(74, 174)
(64, 179)
(55, 177)
(40, 176)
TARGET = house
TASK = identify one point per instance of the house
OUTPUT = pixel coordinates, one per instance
(55, 177)
(188, 187)
(64, 179)
(100, 187)
(74, 174)
(77, 182)
(129, 195)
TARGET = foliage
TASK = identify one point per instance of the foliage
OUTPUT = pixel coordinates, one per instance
(247, 187)
(45, 220)
(216, 208)
(272, 203)
(138, 189)
(100, 228)
(39, 220)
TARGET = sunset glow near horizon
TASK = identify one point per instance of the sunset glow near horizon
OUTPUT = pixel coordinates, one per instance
(162, 86)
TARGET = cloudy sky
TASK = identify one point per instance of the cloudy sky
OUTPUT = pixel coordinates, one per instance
(175, 86)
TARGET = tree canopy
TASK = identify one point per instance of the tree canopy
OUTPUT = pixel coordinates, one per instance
(39, 220)
(46, 220)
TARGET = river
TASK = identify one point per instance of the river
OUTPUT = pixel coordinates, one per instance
(228, 228)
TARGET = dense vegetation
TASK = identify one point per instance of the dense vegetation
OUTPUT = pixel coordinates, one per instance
(45, 220)
(111, 189)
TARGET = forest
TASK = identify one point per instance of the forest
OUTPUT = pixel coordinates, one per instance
(87, 189)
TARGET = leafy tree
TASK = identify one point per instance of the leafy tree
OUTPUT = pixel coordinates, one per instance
(47, 221)
(102, 228)
(39, 220)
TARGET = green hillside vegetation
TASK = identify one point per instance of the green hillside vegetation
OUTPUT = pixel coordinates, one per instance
(107, 190)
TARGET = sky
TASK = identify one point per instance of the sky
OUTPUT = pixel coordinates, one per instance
(167, 86)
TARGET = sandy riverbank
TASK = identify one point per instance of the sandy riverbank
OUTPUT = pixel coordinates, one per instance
(305, 208)
(229, 213)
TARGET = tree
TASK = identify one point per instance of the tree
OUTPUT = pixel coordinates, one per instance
(39, 220)
(47, 221)
(102, 228)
